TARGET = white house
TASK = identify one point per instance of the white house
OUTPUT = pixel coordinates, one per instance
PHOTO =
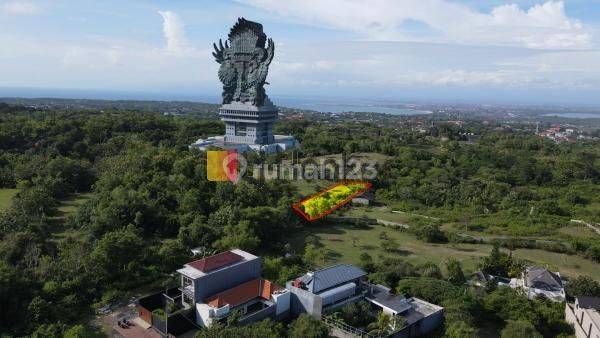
(540, 282)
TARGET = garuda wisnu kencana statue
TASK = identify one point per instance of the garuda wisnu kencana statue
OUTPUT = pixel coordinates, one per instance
(244, 63)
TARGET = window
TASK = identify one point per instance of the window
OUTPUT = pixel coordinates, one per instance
(240, 129)
(187, 299)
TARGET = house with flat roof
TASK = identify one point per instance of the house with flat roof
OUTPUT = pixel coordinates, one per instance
(321, 292)
(420, 317)
(584, 316)
(541, 282)
(213, 288)
(228, 282)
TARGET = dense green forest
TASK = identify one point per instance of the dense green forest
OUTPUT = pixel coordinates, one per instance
(148, 203)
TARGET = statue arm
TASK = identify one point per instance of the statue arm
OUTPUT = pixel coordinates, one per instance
(219, 52)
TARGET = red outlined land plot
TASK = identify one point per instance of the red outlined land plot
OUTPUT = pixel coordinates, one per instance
(329, 199)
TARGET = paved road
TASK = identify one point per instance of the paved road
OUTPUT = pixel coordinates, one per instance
(596, 229)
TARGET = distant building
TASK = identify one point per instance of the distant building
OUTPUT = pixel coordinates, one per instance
(365, 198)
(323, 291)
(540, 282)
(481, 279)
(584, 316)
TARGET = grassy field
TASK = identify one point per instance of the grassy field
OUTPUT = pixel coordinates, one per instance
(578, 230)
(383, 213)
(337, 243)
(66, 208)
(69, 205)
(6, 196)
(309, 187)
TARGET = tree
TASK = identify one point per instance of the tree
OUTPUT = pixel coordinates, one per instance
(234, 318)
(366, 262)
(431, 234)
(77, 331)
(519, 329)
(382, 325)
(238, 236)
(308, 327)
(429, 269)
(460, 329)
(499, 263)
(389, 244)
(429, 289)
(508, 304)
(118, 255)
(312, 255)
(583, 286)
(172, 254)
(263, 329)
(455, 273)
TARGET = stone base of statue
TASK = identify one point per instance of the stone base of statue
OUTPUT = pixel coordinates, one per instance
(248, 124)
(248, 128)
(280, 143)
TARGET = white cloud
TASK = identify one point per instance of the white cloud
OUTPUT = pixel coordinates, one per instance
(19, 8)
(541, 26)
(385, 66)
(173, 29)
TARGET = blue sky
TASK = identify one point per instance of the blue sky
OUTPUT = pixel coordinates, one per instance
(528, 51)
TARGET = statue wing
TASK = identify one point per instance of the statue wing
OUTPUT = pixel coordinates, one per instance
(270, 52)
(227, 73)
(263, 68)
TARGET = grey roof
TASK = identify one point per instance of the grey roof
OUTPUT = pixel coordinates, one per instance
(588, 302)
(367, 195)
(541, 278)
(482, 276)
(382, 297)
(327, 278)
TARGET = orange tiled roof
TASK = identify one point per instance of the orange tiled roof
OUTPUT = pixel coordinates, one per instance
(216, 261)
(243, 293)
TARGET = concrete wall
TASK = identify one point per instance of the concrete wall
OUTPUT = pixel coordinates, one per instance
(302, 301)
(226, 278)
(581, 321)
(282, 302)
(259, 315)
(339, 333)
(421, 327)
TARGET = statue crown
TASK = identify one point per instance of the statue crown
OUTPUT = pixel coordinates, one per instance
(246, 35)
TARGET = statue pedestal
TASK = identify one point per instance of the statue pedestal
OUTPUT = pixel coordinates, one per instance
(247, 123)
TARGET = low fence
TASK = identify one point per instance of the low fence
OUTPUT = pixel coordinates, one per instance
(347, 330)
(259, 315)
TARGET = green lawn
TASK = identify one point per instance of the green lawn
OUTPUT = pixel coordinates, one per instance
(67, 207)
(337, 243)
(578, 230)
(309, 187)
(383, 213)
(6, 196)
